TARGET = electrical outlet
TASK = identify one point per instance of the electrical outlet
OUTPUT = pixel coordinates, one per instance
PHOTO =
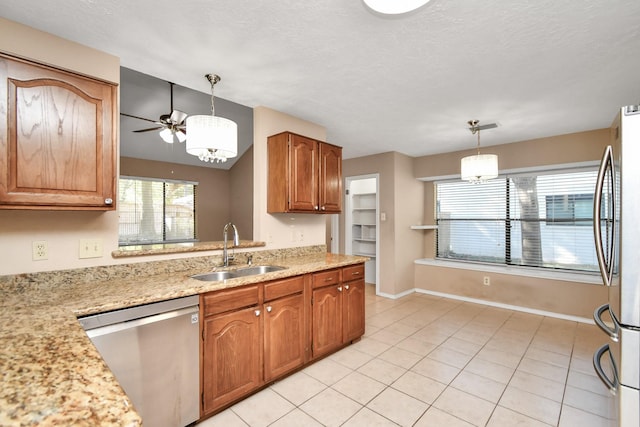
(40, 250)
(486, 281)
(90, 248)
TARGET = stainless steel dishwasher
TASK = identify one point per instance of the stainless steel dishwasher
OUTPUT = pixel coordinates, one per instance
(153, 352)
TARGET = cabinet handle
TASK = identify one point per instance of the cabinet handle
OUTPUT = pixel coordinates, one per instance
(346, 287)
(269, 309)
(257, 313)
(355, 273)
(339, 288)
(108, 201)
(328, 279)
(316, 207)
(322, 208)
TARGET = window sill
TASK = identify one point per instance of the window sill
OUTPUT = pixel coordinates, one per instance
(566, 276)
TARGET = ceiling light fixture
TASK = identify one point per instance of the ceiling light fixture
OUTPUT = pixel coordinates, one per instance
(212, 138)
(394, 7)
(480, 167)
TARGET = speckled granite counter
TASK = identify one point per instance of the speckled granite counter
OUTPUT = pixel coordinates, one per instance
(53, 375)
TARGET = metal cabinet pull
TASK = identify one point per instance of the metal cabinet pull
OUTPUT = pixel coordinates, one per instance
(328, 279)
(257, 313)
(346, 287)
(322, 208)
(339, 288)
(269, 309)
(355, 273)
(108, 201)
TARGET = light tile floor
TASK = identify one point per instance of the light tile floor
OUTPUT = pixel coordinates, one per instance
(430, 361)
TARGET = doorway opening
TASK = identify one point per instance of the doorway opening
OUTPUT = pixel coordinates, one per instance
(362, 227)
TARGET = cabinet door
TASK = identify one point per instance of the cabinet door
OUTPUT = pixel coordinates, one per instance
(326, 320)
(283, 335)
(57, 139)
(303, 167)
(353, 310)
(231, 360)
(330, 178)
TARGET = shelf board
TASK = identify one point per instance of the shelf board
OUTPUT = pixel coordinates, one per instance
(363, 194)
(359, 223)
(365, 254)
(424, 227)
(363, 209)
(362, 239)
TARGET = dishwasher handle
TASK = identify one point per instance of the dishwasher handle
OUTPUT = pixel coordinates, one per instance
(130, 324)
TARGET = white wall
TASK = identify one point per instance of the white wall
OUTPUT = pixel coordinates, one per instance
(281, 230)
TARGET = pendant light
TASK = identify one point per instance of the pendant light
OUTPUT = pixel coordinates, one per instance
(394, 7)
(212, 138)
(479, 167)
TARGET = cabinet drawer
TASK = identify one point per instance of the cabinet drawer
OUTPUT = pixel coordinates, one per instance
(230, 299)
(326, 278)
(283, 288)
(353, 272)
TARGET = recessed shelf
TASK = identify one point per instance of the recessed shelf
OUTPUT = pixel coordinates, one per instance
(424, 227)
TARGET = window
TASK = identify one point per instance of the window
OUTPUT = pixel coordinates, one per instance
(535, 220)
(156, 211)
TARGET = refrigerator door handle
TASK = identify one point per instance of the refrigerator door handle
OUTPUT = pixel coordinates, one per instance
(612, 385)
(606, 269)
(614, 333)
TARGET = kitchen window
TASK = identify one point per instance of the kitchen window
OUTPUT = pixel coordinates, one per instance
(539, 220)
(156, 211)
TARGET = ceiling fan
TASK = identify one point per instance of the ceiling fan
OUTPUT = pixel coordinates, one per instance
(172, 126)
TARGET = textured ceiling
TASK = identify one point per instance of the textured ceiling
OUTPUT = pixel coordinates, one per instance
(406, 84)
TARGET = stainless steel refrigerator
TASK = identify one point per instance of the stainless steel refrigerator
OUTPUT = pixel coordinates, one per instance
(617, 237)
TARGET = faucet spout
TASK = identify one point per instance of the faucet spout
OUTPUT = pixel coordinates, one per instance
(236, 241)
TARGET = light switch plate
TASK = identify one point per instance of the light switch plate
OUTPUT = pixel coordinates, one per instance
(90, 248)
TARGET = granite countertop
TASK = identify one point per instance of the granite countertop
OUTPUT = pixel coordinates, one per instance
(51, 372)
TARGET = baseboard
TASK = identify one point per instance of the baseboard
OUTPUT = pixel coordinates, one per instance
(509, 306)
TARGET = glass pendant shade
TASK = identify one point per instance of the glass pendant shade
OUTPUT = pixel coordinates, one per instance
(479, 167)
(212, 138)
(394, 7)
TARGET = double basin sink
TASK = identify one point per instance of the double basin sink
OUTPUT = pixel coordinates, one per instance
(217, 276)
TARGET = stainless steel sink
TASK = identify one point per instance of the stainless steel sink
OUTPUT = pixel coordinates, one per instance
(257, 269)
(217, 276)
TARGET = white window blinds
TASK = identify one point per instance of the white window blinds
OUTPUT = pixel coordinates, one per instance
(542, 220)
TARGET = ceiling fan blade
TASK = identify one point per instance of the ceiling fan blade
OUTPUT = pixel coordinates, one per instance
(136, 117)
(148, 130)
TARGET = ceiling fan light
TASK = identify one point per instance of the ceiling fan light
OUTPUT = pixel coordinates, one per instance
(167, 136)
(212, 138)
(394, 7)
(181, 136)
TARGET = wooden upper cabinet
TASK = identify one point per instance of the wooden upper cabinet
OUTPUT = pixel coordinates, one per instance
(57, 138)
(304, 175)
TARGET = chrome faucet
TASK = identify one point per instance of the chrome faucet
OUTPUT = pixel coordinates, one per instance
(236, 241)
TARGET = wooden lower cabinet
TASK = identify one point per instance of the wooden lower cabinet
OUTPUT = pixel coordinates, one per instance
(284, 338)
(326, 316)
(231, 357)
(337, 309)
(253, 335)
(353, 310)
